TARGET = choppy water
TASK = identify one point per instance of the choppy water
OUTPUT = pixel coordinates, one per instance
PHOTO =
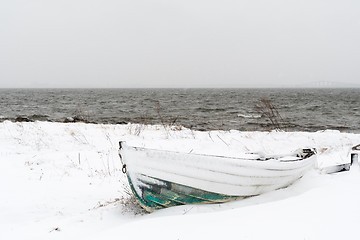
(202, 109)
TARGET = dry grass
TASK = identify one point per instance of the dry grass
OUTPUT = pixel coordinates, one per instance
(266, 108)
(168, 123)
(128, 203)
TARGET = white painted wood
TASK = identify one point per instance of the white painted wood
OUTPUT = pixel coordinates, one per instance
(224, 175)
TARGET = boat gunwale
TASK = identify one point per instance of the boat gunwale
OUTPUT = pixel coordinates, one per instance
(291, 167)
(260, 159)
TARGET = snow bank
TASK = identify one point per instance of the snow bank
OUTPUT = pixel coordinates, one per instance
(64, 180)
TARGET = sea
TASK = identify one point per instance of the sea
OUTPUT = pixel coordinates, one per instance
(198, 109)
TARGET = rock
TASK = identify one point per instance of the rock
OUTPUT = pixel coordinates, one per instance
(68, 120)
(22, 119)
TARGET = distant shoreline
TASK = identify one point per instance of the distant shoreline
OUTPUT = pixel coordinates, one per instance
(185, 88)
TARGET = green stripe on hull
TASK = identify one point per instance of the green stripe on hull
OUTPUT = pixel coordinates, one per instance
(159, 199)
(148, 206)
(204, 196)
(159, 194)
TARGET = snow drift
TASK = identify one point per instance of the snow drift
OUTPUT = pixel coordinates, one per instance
(64, 180)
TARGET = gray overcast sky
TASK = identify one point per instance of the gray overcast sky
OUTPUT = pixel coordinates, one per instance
(178, 43)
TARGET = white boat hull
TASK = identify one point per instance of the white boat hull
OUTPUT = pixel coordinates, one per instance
(235, 177)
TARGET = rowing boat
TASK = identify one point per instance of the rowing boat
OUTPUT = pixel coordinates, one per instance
(160, 179)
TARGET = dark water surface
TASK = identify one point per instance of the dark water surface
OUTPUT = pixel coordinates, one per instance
(201, 109)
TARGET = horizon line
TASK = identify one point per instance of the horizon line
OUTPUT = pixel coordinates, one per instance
(225, 87)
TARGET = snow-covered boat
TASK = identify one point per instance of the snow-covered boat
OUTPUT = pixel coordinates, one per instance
(162, 179)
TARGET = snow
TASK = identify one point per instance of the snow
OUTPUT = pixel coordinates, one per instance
(64, 181)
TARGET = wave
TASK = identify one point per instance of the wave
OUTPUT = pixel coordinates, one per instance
(249, 115)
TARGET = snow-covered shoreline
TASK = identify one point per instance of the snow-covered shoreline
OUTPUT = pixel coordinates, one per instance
(63, 180)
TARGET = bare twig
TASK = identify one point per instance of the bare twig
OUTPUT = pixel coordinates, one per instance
(266, 108)
(210, 136)
(223, 140)
(158, 109)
